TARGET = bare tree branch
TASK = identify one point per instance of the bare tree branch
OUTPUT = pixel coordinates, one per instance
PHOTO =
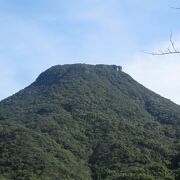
(170, 50)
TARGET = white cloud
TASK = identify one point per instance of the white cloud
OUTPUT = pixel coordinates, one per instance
(158, 73)
(9, 85)
(26, 50)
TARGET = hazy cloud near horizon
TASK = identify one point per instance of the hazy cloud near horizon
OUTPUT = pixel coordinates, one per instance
(158, 74)
(36, 35)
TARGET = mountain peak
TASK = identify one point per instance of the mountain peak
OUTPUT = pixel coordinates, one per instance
(55, 73)
(88, 122)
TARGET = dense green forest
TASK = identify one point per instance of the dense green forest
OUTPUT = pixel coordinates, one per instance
(88, 122)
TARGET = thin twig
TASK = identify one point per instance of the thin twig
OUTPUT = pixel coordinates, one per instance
(170, 50)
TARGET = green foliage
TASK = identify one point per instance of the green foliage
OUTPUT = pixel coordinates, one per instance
(88, 122)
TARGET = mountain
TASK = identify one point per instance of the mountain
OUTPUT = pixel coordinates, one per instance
(88, 122)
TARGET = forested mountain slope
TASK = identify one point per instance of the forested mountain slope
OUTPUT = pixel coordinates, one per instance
(88, 122)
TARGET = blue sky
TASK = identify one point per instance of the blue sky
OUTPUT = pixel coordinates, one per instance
(36, 34)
